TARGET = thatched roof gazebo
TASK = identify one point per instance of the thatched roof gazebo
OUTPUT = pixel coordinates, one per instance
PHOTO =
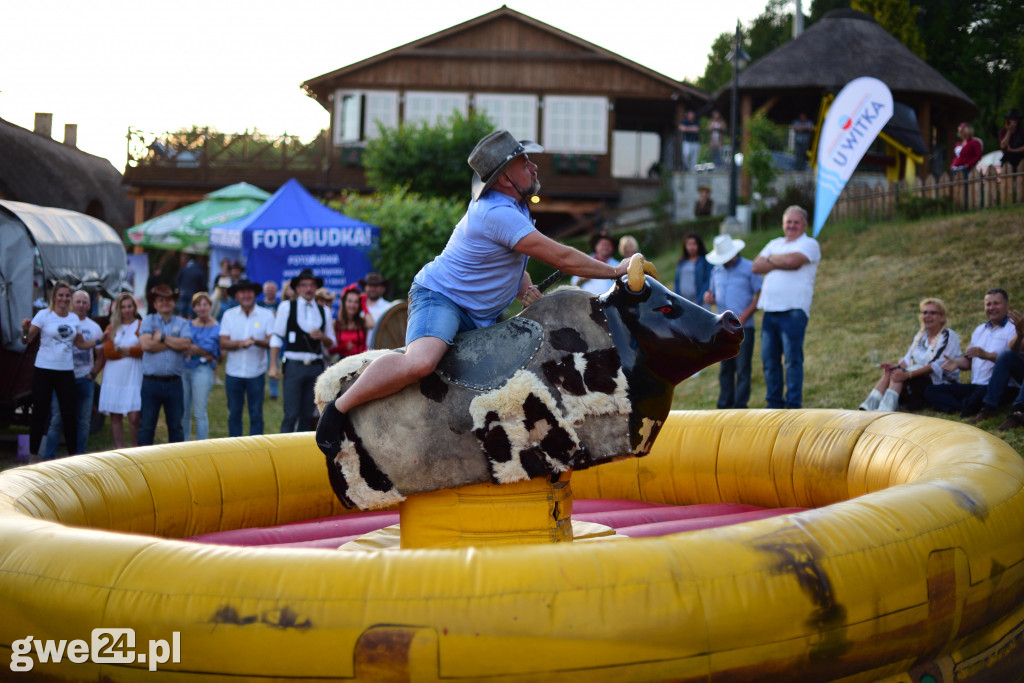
(843, 45)
(36, 169)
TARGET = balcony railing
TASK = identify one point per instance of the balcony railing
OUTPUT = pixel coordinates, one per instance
(203, 148)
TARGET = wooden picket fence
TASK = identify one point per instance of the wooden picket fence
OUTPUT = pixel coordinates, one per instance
(984, 188)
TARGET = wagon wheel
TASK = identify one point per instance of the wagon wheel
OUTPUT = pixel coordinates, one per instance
(390, 330)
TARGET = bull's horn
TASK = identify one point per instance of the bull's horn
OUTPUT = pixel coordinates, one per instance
(636, 279)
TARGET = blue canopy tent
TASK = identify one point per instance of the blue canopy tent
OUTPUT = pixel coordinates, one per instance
(292, 231)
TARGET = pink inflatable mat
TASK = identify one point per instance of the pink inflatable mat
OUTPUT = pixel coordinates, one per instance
(627, 517)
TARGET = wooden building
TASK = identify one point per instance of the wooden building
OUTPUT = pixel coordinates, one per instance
(604, 120)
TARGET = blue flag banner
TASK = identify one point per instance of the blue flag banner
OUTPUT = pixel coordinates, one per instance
(854, 120)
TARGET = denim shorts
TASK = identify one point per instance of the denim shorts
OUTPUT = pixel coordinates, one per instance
(432, 314)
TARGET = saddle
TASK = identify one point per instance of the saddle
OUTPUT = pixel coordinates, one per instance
(487, 357)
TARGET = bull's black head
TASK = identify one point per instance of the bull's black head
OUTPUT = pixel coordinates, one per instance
(661, 334)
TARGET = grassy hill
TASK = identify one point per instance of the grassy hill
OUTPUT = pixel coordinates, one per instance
(870, 281)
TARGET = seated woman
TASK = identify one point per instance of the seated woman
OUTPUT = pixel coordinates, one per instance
(903, 384)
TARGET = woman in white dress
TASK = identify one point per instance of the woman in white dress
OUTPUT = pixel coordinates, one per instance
(121, 391)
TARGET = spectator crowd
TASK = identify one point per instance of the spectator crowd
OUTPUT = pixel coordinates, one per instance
(253, 341)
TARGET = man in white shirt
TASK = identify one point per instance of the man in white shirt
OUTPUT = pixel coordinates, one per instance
(245, 333)
(302, 327)
(88, 363)
(375, 286)
(989, 339)
(789, 265)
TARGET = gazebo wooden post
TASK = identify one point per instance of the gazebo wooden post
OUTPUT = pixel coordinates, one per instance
(924, 120)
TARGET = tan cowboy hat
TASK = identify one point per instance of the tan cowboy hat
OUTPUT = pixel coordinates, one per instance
(161, 290)
(725, 250)
(492, 154)
(373, 278)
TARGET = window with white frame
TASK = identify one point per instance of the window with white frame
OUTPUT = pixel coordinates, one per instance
(358, 112)
(433, 107)
(515, 113)
(576, 124)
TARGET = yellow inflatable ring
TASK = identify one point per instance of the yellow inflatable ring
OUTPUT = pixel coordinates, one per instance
(909, 567)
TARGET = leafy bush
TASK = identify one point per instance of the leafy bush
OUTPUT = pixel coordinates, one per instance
(413, 230)
(428, 160)
(801, 195)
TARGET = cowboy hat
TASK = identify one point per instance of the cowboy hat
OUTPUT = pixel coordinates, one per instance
(324, 294)
(492, 154)
(725, 250)
(306, 274)
(245, 283)
(374, 278)
(161, 290)
(1013, 114)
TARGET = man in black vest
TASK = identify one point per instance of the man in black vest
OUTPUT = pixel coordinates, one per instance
(302, 327)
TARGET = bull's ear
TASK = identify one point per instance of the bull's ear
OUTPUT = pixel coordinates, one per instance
(636, 280)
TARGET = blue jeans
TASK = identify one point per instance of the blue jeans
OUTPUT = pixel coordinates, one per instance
(196, 384)
(432, 314)
(166, 394)
(951, 398)
(782, 335)
(1008, 364)
(734, 374)
(84, 388)
(240, 390)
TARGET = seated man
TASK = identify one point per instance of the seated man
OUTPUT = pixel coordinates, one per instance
(989, 339)
(479, 273)
(1008, 371)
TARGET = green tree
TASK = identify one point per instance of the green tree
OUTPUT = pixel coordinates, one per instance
(718, 71)
(771, 29)
(413, 228)
(430, 160)
(820, 8)
(898, 18)
(978, 45)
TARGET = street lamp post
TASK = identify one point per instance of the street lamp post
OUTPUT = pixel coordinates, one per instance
(739, 59)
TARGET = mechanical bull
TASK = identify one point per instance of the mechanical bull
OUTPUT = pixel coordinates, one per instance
(573, 381)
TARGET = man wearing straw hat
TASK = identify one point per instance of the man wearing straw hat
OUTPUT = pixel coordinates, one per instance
(734, 287)
(480, 272)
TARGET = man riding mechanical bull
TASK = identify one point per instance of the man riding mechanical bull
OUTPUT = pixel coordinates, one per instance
(629, 346)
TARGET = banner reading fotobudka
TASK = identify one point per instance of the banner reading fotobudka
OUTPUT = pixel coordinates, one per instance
(854, 120)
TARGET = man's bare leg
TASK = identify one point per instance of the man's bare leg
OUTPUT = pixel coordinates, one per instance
(392, 372)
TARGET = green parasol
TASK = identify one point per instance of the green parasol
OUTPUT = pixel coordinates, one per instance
(188, 228)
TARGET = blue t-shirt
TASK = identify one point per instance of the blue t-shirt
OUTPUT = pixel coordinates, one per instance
(206, 338)
(479, 269)
(734, 288)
